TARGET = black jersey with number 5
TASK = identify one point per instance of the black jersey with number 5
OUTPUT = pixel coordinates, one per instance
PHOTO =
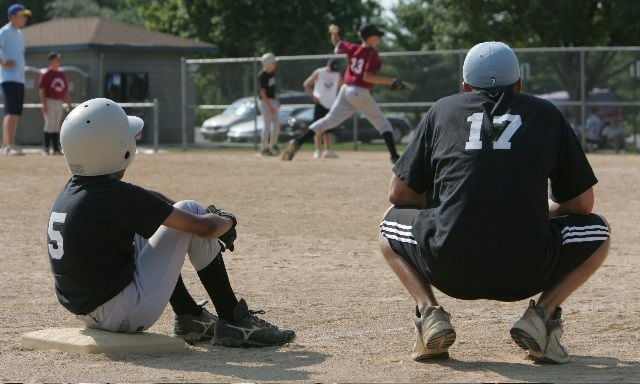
(90, 238)
(485, 161)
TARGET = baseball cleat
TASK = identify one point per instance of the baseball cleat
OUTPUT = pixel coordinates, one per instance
(194, 328)
(434, 334)
(290, 150)
(248, 330)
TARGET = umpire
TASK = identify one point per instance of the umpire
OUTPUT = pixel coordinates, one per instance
(471, 212)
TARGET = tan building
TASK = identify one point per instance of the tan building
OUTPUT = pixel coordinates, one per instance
(127, 63)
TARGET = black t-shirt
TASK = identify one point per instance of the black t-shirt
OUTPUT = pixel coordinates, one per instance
(267, 81)
(485, 161)
(90, 238)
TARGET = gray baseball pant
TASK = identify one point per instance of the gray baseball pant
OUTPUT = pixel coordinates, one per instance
(158, 263)
(352, 99)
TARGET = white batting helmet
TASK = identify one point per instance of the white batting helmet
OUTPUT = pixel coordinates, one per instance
(98, 138)
(268, 59)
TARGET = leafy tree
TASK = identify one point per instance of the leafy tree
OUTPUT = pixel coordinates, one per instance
(248, 27)
(108, 9)
(454, 24)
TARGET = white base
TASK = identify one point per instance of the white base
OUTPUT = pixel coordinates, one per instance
(85, 340)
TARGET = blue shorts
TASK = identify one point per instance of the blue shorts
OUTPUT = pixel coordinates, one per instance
(576, 238)
(13, 97)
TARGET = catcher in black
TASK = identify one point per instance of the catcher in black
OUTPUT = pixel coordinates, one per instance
(117, 250)
(471, 212)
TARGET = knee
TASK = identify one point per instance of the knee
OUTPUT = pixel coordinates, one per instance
(191, 206)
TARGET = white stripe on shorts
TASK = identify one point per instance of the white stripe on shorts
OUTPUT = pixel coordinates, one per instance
(392, 230)
(584, 234)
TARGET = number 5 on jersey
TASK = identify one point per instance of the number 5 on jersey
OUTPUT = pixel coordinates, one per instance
(503, 141)
(56, 249)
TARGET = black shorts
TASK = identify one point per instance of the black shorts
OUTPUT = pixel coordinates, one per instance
(578, 237)
(319, 112)
(13, 97)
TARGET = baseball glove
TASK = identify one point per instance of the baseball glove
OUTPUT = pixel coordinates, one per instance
(399, 85)
(226, 239)
(334, 29)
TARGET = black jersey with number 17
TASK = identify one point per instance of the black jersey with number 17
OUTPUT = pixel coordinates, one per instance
(485, 161)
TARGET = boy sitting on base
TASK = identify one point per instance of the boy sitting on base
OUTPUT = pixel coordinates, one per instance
(116, 249)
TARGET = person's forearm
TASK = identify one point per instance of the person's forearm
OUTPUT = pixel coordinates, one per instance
(370, 77)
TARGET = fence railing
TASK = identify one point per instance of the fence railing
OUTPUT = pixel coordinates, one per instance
(577, 70)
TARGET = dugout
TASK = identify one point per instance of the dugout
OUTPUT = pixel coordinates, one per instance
(107, 58)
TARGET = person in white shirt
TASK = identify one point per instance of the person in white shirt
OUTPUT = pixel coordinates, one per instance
(323, 85)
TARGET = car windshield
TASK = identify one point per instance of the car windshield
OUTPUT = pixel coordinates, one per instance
(238, 108)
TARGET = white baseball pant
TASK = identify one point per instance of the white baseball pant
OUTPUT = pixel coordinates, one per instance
(158, 263)
(53, 116)
(271, 129)
(352, 99)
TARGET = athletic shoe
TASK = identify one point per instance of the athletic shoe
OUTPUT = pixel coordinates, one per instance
(434, 334)
(554, 352)
(290, 150)
(316, 154)
(328, 154)
(265, 152)
(275, 151)
(530, 332)
(45, 152)
(394, 158)
(4, 151)
(248, 330)
(194, 328)
(14, 151)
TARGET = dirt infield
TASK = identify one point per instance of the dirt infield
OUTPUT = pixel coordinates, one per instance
(307, 253)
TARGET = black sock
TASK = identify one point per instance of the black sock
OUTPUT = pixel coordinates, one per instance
(307, 135)
(55, 137)
(47, 135)
(182, 302)
(391, 144)
(215, 280)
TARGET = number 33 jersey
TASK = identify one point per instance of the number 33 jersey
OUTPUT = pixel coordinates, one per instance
(360, 60)
(485, 161)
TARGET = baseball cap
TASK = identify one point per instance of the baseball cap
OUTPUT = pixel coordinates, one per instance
(53, 55)
(333, 64)
(369, 30)
(490, 64)
(15, 8)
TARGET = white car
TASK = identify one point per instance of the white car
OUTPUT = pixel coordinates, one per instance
(252, 129)
(217, 127)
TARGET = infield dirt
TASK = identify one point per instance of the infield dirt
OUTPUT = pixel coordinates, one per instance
(307, 253)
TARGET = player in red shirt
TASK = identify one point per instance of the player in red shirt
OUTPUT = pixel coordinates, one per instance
(54, 92)
(360, 76)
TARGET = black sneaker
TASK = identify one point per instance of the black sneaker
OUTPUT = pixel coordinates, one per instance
(248, 330)
(290, 150)
(195, 328)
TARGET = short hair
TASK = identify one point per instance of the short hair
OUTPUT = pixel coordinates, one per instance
(53, 55)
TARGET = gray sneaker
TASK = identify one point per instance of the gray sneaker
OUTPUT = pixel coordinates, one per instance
(290, 150)
(530, 332)
(194, 328)
(248, 330)
(554, 352)
(434, 334)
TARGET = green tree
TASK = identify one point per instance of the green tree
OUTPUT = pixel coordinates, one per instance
(108, 9)
(248, 27)
(455, 24)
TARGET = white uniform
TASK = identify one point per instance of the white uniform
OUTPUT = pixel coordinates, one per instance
(325, 88)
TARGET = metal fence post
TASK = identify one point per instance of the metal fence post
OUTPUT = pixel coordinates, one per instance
(255, 101)
(183, 95)
(156, 128)
(355, 131)
(583, 98)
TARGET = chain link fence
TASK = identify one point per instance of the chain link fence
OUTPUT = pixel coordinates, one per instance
(579, 80)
